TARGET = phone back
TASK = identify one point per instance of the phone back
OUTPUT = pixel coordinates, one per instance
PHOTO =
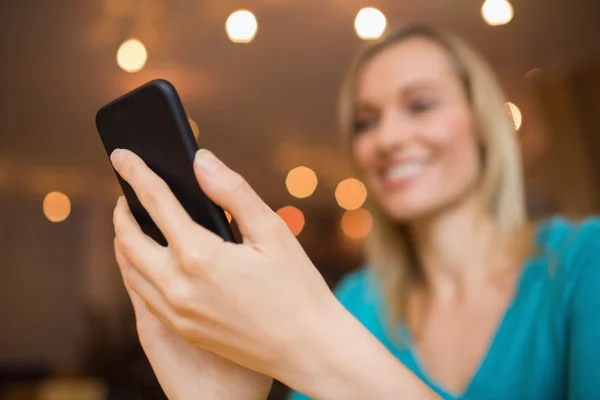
(151, 122)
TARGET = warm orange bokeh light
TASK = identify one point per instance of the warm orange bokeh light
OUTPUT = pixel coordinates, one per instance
(350, 194)
(301, 182)
(194, 126)
(293, 217)
(57, 206)
(357, 224)
(228, 216)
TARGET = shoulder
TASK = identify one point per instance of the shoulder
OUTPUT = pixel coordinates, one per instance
(569, 242)
(560, 233)
(351, 288)
(359, 292)
(570, 251)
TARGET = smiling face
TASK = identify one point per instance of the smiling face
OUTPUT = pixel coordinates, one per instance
(415, 141)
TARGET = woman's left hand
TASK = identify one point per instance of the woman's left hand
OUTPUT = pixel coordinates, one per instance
(253, 303)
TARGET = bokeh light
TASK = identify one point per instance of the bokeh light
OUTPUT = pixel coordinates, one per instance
(57, 206)
(293, 217)
(301, 182)
(356, 224)
(370, 23)
(241, 26)
(228, 216)
(515, 115)
(132, 55)
(194, 126)
(350, 194)
(497, 12)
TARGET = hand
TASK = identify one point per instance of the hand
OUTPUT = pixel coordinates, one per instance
(183, 370)
(255, 303)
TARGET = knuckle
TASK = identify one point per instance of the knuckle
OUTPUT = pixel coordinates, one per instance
(124, 246)
(275, 225)
(238, 185)
(192, 258)
(147, 195)
(116, 219)
(123, 240)
(130, 169)
(178, 295)
(183, 326)
(195, 259)
(120, 227)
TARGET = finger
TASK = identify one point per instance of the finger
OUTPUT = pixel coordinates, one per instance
(159, 201)
(124, 265)
(150, 258)
(151, 298)
(231, 191)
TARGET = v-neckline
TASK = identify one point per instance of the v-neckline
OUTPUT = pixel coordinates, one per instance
(489, 354)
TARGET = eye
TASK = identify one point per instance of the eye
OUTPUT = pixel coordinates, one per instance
(365, 124)
(420, 106)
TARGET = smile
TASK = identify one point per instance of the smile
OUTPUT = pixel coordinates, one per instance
(402, 172)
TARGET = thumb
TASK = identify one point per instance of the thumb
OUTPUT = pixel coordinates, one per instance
(138, 304)
(232, 192)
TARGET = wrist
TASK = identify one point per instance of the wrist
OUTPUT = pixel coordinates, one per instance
(338, 357)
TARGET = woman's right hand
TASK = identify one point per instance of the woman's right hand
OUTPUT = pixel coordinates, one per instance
(185, 371)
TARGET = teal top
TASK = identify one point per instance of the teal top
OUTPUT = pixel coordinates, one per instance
(547, 345)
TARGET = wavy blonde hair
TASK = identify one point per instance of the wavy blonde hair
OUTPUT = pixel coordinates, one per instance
(390, 250)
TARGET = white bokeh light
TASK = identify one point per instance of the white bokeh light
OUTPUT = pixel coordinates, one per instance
(370, 23)
(132, 55)
(497, 12)
(241, 26)
(515, 115)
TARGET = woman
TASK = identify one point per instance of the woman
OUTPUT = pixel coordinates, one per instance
(463, 297)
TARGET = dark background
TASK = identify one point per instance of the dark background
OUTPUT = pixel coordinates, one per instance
(264, 108)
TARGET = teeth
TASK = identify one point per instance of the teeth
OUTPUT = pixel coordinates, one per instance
(403, 171)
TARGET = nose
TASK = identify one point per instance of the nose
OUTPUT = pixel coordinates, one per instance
(393, 132)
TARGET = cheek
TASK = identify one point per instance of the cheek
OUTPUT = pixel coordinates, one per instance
(363, 152)
(456, 139)
(449, 129)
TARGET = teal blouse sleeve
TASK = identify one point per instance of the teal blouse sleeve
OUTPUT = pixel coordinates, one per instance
(583, 316)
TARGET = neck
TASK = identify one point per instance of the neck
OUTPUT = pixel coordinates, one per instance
(458, 247)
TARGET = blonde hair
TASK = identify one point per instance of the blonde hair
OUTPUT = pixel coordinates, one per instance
(389, 248)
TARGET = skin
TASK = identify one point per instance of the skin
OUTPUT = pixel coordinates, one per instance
(262, 304)
(412, 109)
(185, 371)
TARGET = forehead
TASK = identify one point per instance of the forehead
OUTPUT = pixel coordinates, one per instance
(413, 61)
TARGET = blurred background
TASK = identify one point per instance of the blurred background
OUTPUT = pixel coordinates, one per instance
(259, 87)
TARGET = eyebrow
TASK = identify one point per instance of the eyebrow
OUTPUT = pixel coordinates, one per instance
(419, 86)
(364, 106)
(424, 85)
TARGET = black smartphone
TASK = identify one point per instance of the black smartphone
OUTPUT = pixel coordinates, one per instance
(151, 122)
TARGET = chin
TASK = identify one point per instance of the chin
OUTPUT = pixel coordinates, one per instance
(406, 214)
(406, 204)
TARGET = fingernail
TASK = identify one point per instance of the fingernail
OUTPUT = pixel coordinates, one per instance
(207, 161)
(117, 156)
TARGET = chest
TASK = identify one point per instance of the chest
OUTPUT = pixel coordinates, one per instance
(493, 348)
(452, 342)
